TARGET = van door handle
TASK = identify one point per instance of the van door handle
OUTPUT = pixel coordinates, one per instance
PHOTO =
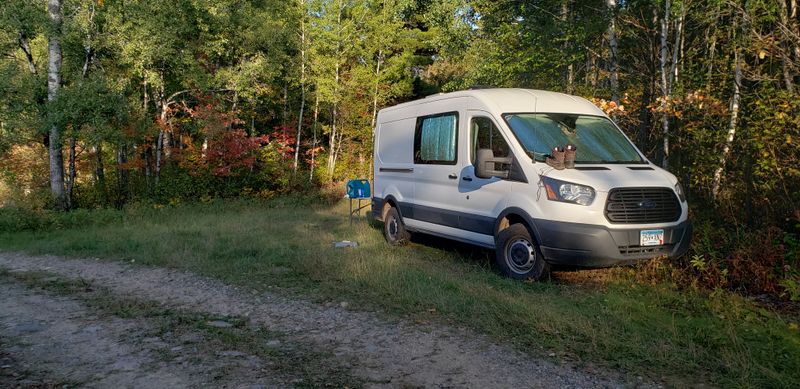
(466, 178)
(452, 176)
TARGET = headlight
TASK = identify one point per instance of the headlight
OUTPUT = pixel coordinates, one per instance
(567, 192)
(679, 191)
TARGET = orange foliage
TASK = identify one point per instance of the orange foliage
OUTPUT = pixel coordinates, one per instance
(25, 171)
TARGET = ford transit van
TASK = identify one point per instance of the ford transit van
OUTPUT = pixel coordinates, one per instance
(477, 166)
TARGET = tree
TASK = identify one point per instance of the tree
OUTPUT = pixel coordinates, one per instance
(53, 85)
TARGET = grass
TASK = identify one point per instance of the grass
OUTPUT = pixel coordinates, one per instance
(306, 366)
(682, 337)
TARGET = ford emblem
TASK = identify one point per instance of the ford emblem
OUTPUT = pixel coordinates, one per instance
(647, 204)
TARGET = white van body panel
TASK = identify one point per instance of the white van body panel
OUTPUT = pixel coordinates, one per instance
(449, 200)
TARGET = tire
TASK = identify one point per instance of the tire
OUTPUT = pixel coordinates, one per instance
(393, 228)
(518, 255)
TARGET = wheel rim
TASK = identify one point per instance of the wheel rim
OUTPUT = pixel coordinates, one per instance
(392, 228)
(520, 256)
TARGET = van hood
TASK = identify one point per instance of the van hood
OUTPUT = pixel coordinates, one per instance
(609, 176)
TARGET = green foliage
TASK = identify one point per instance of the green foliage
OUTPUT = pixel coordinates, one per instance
(23, 219)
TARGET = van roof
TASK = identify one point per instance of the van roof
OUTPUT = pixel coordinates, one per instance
(516, 100)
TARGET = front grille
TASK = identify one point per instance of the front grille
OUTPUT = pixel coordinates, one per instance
(642, 205)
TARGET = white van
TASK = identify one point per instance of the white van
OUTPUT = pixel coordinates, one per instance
(470, 166)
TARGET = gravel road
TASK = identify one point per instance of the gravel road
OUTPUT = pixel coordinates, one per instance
(63, 341)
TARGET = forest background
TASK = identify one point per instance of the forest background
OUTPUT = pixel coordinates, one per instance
(122, 102)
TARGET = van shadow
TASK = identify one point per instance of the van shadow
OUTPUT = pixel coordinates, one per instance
(468, 253)
(485, 258)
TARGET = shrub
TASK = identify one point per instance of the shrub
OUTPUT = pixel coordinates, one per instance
(24, 219)
(749, 261)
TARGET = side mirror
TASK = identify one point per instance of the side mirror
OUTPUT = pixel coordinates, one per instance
(486, 164)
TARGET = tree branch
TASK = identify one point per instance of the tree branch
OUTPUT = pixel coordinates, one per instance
(22, 41)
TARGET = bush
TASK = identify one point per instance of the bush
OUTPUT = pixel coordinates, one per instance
(749, 261)
(22, 219)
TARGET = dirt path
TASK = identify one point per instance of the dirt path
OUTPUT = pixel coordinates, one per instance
(57, 340)
(379, 353)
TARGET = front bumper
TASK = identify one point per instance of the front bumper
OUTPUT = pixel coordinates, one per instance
(589, 245)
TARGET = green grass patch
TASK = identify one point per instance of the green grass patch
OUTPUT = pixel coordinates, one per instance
(679, 336)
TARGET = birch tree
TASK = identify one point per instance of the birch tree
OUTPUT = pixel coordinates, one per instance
(665, 88)
(612, 49)
(53, 85)
(732, 125)
(303, 15)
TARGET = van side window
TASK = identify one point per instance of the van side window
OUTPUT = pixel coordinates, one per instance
(436, 139)
(484, 135)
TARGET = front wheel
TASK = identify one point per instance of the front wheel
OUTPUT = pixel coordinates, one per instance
(393, 228)
(518, 256)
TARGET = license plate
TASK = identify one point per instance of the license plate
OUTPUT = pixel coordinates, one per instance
(651, 237)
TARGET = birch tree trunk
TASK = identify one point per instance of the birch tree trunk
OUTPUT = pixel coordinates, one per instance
(375, 106)
(612, 45)
(673, 71)
(332, 151)
(56, 157)
(786, 49)
(314, 136)
(737, 83)
(569, 71)
(162, 105)
(335, 115)
(72, 171)
(665, 92)
(793, 25)
(375, 88)
(302, 84)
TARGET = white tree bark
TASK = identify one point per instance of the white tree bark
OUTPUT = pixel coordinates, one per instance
(612, 45)
(732, 125)
(375, 88)
(314, 136)
(793, 25)
(302, 84)
(665, 92)
(162, 105)
(332, 149)
(673, 73)
(569, 70)
(56, 157)
(787, 50)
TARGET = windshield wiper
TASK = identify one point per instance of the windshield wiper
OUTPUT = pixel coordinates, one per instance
(537, 156)
(614, 162)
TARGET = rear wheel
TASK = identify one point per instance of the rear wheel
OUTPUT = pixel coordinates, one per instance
(393, 228)
(517, 254)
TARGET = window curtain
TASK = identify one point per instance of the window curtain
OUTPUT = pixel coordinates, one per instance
(438, 141)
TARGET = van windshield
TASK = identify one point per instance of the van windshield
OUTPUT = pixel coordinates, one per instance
(597, 139)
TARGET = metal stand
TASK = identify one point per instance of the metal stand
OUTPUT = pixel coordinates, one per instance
(357, 210)
(358, 190)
